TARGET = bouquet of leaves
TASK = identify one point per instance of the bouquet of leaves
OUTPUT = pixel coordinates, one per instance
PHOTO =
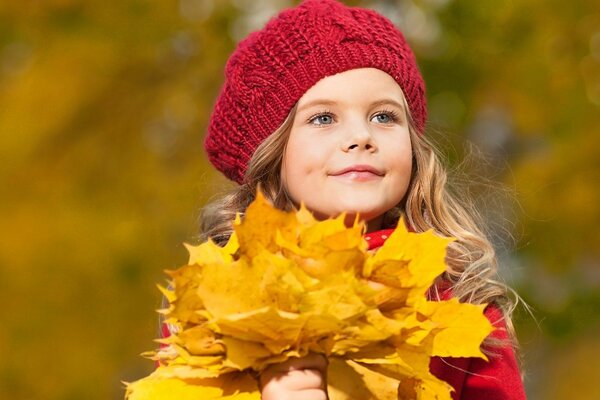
(285, 285)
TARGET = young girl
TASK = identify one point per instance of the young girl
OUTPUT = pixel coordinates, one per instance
(326, 105)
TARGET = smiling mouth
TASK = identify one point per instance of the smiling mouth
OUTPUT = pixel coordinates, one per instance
(358, 169)
(358, 173)
(359, 176)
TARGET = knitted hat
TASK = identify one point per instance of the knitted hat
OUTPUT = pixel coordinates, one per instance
(272, 68)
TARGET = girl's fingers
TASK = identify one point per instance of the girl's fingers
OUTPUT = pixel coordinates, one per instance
(312, 367)
(301, 379)
(297, 378)
(310, 361)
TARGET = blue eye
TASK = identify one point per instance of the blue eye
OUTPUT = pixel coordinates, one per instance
(324, 118)
(327, 118)
(386, 117)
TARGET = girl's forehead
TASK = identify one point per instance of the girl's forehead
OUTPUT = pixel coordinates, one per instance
(365, 85)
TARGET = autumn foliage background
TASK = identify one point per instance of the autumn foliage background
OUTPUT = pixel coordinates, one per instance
(103, 107)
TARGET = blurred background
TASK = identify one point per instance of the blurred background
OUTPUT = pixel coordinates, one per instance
(103, 109)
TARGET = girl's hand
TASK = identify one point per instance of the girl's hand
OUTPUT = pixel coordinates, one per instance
(296, 379)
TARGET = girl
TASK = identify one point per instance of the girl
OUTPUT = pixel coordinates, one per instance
(326, 105)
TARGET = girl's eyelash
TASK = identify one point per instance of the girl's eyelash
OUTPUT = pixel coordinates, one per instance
(394, 115)
(319, 114)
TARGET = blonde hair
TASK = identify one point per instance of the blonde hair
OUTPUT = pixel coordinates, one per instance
(429, 204)
(264, 169)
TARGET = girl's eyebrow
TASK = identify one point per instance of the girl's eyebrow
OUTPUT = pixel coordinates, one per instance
(317, 102)
(388, 102)
(326, 102)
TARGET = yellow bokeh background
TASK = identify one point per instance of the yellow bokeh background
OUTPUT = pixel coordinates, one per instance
(103, 109)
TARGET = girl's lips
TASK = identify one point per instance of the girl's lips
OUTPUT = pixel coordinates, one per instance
(358, 173)
(358, 176)
(358, 168)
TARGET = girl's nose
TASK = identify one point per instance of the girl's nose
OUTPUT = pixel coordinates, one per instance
(359, 138)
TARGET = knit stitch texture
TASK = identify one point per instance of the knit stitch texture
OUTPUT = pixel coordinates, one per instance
(273, 67)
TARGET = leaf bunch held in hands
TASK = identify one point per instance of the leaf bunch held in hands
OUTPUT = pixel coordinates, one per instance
(286, 285)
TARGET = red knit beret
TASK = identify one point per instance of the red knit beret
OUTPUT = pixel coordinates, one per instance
(272, 68)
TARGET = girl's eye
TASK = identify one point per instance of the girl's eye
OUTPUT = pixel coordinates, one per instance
(327, 118)
(321, 119)
(386, 117)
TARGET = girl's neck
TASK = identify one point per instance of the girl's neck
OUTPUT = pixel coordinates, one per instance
(374, 224)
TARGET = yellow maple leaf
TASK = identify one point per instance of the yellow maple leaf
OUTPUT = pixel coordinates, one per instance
(243, 354)
(458, 328)
(266, 223)
(287, 284)
(337, 296)
(232, 386)
(409, 260)
(186, 300)
(410, 366)
(210, 253)
(348, 380)
(200, 341)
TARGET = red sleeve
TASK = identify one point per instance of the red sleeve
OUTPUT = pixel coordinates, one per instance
(475, 379)
(164, 333)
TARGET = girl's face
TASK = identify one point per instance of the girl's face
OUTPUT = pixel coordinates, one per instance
(349, 147)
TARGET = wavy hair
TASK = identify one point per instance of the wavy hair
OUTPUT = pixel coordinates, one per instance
(429, 204)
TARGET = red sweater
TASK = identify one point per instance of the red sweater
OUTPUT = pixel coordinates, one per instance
(474, 378)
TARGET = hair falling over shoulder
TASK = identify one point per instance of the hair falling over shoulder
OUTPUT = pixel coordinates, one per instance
(472, 271)
(429, 204)
(264, 168)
